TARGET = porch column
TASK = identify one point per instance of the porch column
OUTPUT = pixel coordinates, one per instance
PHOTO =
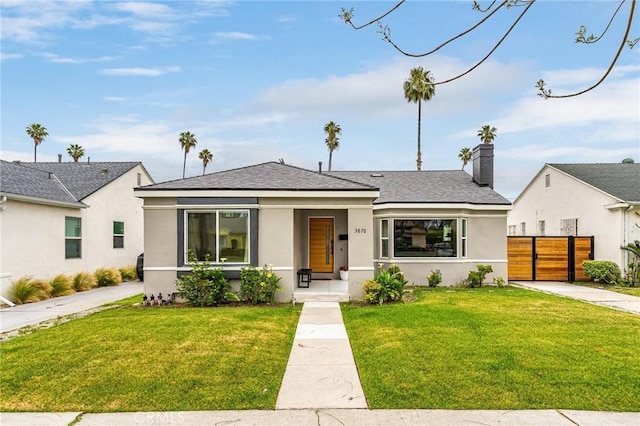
(360, 231)
(275, 247)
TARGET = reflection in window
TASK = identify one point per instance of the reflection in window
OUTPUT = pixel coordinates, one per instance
(221, 235)
(425, 238)
(72, 237)
(384, 238)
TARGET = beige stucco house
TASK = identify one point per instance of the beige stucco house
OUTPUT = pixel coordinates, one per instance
(599, 200)
(296, 219)
(67, 217)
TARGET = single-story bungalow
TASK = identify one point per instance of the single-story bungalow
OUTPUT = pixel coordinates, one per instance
(296, 219)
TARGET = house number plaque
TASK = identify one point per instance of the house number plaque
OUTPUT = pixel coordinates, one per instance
(361, 230)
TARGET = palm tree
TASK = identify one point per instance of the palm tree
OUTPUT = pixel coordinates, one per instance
(417, 88)
(37, 132)
(487, 134)
(332, 130)
(465, 155)
(75, 152)
(187, 141)
(206, 156)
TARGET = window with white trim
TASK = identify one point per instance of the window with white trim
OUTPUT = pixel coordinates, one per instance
(463, 238)
(541, 228)
(569, 226)
(118, 234)
(523, 228)
(219, 235)
(511, 230)
(384, 238)
(547, 181)
(425, 238)
(72, 237)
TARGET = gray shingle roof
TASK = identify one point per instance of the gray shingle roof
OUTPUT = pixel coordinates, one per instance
(432, 186)
(16, 179)
(395, 186)
(83, 179)
(619, 180)
(270, 176)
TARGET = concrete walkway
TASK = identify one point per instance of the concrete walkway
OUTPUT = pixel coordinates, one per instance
(33, 313)
(610, 299)
(321, 372)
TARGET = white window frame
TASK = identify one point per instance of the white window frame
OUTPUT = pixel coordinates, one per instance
(523, 228)
(66, 237)
(118, 235)
(542, 228)
(511, 230)
(418, 218)
(217, 260)
(383, 238)
(463, 237)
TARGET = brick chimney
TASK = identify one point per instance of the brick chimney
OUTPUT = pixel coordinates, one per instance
(483, 165)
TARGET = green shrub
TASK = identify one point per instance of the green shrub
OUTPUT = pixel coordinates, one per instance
(107, 277)
(604, 271)
(499, 282)
(434, 278)
(391, 283)
(128, 273)
(83, 281)
(61, 285)
(204, 285)
(476, 278)
(24, 290)
(258, 285)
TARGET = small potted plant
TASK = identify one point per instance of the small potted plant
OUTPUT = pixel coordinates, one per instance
(344, 273)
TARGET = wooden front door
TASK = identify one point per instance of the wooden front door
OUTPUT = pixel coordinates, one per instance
(321, 244)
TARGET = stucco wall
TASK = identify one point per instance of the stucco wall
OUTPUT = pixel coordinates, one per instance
(160, 245)
(360, 230)
(275, 241)
(32, 241)
(565, 198)
(114, 202)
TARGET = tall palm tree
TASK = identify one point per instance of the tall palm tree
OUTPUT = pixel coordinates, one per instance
(487, 134)
(417, 88)
(37, 132)
(465, 155)
(333, 141)
(75, 152)
(206, 156)
(187, 141)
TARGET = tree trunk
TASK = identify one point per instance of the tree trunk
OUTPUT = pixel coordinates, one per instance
(330, 155)
(419, 157)
(184, 164)
(35, 147)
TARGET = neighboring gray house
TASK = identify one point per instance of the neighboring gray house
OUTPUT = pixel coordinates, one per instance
(296, 219)
(599, 200)
(69, 217)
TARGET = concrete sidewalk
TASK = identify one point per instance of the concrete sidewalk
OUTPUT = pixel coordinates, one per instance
(33, 313)
(321, 372)
(330, 417)
(610, 299)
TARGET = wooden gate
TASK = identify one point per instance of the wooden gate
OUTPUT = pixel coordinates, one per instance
(548, 258)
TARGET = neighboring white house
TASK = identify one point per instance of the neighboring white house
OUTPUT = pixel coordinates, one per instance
(69, 217)
(599, 200)
(298, 219)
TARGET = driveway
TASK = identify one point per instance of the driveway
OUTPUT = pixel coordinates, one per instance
(610, 299)
(33, 313)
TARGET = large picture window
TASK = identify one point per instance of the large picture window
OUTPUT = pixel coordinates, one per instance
(72, 238)
(425, 238)
(222, 235)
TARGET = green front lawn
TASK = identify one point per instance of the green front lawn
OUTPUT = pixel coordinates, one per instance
(493, 348)
(160, 358)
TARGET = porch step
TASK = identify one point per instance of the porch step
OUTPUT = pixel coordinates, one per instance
(320, 297)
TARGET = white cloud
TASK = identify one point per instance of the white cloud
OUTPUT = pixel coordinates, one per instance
(233, 35)
(145, 9)
(115, 99)
(8, 56)
(57, 59)
(138, 72)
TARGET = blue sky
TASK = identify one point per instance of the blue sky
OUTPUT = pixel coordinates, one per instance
(256, 81)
